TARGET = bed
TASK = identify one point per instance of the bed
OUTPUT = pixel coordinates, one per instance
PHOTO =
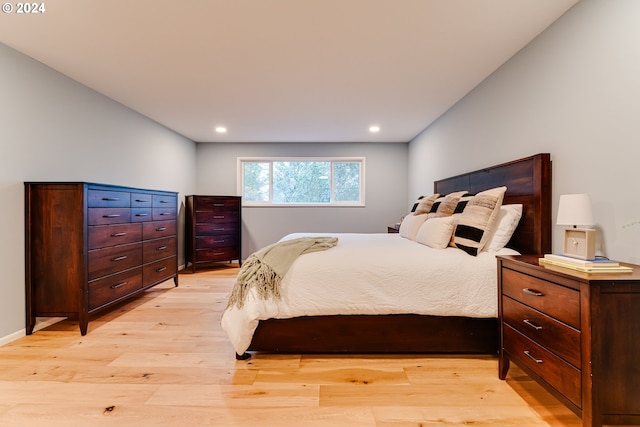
(528, 182)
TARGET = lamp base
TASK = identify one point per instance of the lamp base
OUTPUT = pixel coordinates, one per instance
(580, 243)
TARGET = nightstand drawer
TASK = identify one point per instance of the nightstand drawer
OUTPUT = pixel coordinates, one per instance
(555, 371)
(550, 298)
(561, 339)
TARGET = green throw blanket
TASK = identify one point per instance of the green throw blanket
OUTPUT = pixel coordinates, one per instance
(265, 268)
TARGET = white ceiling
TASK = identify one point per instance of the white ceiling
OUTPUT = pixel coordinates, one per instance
(282, 70)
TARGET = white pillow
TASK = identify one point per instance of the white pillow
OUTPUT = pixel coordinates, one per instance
(410, 225)
(436, 232)
(507, 223)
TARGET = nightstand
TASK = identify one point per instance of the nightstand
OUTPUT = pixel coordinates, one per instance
(577, 334)
(393, 229)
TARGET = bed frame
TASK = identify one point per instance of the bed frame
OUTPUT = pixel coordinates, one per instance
(528, 182)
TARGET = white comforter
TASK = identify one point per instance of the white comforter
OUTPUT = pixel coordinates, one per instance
(374, 274)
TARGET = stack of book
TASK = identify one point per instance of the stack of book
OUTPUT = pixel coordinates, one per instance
(598, 265)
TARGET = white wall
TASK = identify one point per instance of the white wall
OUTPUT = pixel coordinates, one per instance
(386, 190)
(52, 128)
(573, 92)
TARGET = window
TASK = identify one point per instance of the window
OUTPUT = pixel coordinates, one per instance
(301, 181)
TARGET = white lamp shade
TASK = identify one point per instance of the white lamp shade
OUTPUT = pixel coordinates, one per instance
(575, 209)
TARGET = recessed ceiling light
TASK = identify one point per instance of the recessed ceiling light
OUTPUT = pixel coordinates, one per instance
(221, 129)
(374, 129)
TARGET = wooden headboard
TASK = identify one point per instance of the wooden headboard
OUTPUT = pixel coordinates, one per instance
(528, 182)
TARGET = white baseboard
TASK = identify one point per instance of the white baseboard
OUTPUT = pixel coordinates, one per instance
(41, 323)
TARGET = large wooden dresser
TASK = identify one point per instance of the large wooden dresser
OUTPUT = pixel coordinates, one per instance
(212, 230)
(577, 334)
(89, 246)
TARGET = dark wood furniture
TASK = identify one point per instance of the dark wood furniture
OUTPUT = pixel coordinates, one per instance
(212, 230)
(89, 246)
(529, 182)
(394, 229)
(577, 334)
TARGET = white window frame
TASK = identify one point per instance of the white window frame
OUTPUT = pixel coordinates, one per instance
(269, 203)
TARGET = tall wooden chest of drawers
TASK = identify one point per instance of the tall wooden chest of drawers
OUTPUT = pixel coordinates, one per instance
(212, 230)
(89, 246)
(576, 334)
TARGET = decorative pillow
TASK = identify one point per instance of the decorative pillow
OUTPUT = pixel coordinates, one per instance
(410, 225)
(445, 206)
(436, 232)
(476, 221)
(462, 203)
(423, 204)
(508, 220)
(415, 204)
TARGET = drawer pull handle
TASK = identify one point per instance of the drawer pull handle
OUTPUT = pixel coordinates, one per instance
(528, 354)
(218, 253)
(218, 204)
(119, 258)
(161, 248)
(158, 270)
(164, 201)
(165, 213)
(118, 234)
(533, 325)
(532, 292)
(142, 214)
(110, 199)
(118, 285)
(111, 216)
(218, 216)
(142, 201)
(218, 229)
(161, 229)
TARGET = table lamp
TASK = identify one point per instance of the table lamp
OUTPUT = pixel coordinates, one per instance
(575, 210)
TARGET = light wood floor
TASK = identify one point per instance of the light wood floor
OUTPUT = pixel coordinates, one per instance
(163, 360)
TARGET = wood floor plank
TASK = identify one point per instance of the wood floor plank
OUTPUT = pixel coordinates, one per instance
(226, 396)
(162, 360)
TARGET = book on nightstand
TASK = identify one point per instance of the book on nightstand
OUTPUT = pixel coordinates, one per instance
(597, 262)
(586, 266)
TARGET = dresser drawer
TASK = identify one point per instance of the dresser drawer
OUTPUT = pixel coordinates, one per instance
(216, 242)
(104, 216)
(141, 200)
(103, 262)
(216, 204)
(159, 271)
(164, 214)
(108, 199)
(561, 339)
(153, 250)
(219, 254)
(164, 201)
(103, 236)
(111, 288)
(559, 374)
(141, 214)
(217, 218)
(157, 229)
(216, 229)
(552, 299)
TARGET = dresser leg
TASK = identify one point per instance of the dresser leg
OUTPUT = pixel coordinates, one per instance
(503, 366)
